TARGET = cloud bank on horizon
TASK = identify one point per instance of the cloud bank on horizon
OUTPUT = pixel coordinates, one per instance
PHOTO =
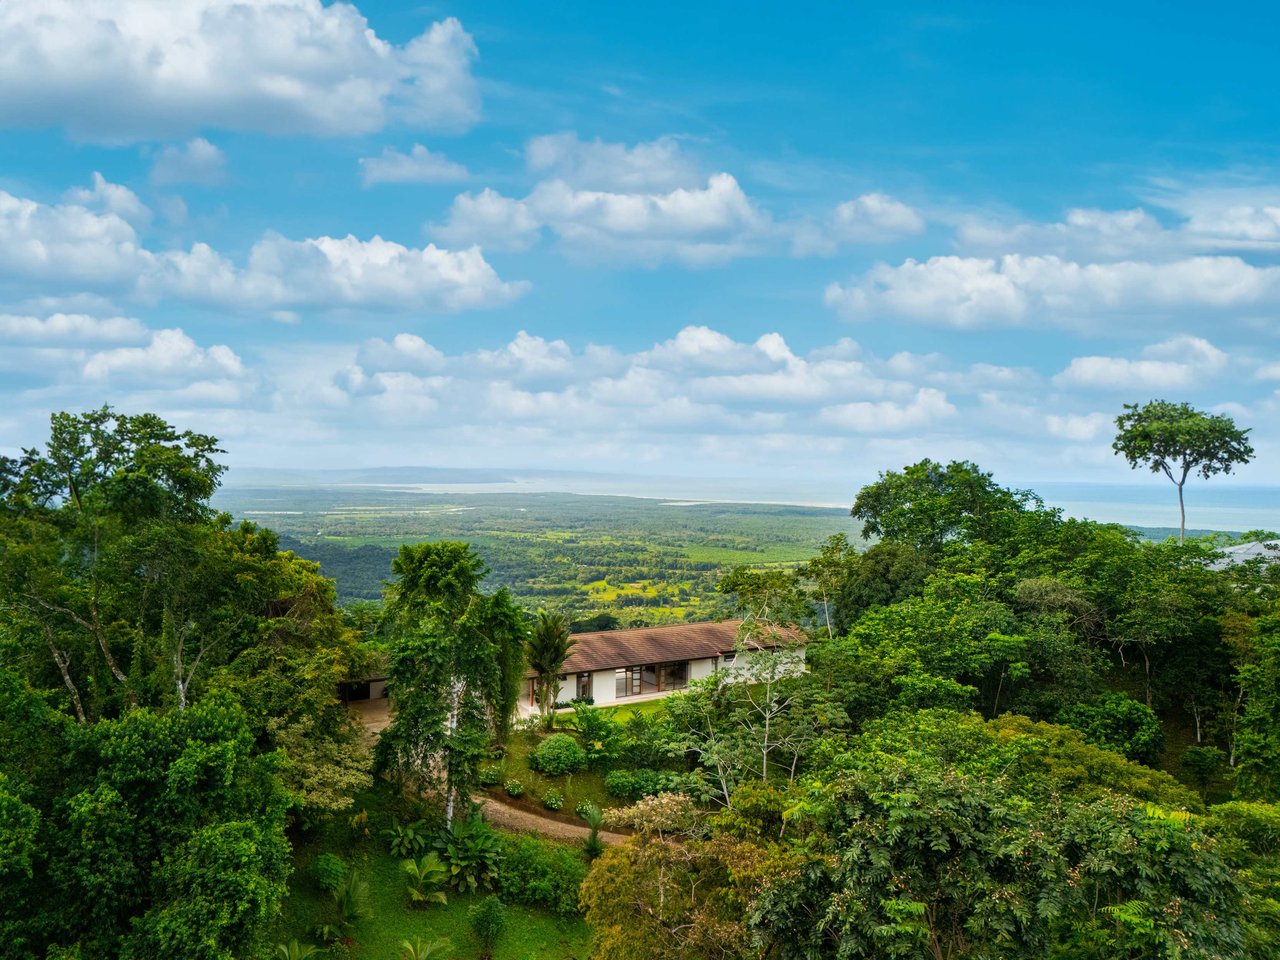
(350, 233)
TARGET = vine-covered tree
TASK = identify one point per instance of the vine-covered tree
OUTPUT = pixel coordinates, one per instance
(1176, 439)
(452, 654)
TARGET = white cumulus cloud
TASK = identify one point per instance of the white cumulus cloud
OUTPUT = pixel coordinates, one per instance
(141, 69)
(888, 417)
(870, 218)
(86, 250)
(972, 292)
(1178, 363)
(170, 353)
(419, 165)
(653, 166)
(323, 272)
(70, 327)
(197, 161)
(695, 227)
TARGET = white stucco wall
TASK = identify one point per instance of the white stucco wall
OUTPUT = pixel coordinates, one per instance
(604, 687)
(701, 669)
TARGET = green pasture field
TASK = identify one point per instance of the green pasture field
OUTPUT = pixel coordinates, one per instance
(645, 561)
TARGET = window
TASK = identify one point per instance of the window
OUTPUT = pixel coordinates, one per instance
(651, 678)
(627, 681)
(728, 659)
(673, 676)
(584, 686)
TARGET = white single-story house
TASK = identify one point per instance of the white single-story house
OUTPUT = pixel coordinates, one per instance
(642, 663)
(620, 666)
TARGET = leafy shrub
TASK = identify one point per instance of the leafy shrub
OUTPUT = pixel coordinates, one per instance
(558, 754)
(488, 922)
(631, 784)
(328, 934)
(573, 703)
(635, 785)
(329, 870)
(540, 873)
(586, 809)
(360, 824)
(490, 776)
(352, 900)
(290, 951)
(1203, 764)
(406, 840)
(553, 799)
(514, 788)
(600, 734)
(471, 852)
(644, 741)
(1120, 723)
(439, 949)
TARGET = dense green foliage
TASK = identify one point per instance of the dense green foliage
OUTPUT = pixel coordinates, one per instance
(970, 765)
(1006, 734)
(541, 873)
(168, 702)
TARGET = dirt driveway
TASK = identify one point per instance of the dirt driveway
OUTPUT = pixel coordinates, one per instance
(509, 818)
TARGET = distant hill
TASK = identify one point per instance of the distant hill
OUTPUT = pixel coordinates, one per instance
(1164, 533)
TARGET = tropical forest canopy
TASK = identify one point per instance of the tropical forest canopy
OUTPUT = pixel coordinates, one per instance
(1012, 734)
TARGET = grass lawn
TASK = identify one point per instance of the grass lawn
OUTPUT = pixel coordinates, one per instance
(576, 787)
(622, 711)
(530, 934)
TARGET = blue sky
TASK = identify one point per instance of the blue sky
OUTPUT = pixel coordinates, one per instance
(792, 244)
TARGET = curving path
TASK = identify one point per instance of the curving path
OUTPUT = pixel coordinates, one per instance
(374, 716)
(511, 818)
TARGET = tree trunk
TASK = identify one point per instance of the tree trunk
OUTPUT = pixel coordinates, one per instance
(1182, 516)
(63, 661)
(451, 726)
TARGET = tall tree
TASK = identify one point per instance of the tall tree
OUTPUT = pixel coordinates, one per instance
(1176, 439)
(928, 505)
(121, 586)
(439, 681)
(548, 647)
(446, 679)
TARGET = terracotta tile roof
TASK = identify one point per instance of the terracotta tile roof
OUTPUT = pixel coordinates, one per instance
(611, 649)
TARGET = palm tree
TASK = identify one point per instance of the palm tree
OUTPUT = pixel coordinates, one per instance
(418, 950)
(592, 845)
(426, 877)
(548, 646)
(294, 951)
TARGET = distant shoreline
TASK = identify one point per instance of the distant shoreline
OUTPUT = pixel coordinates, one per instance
(1149, 506)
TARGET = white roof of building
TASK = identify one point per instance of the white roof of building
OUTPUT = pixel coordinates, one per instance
(1245, 552)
